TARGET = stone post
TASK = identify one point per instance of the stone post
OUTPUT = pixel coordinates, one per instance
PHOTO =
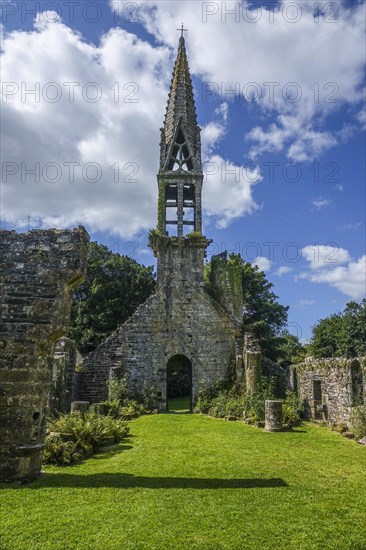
(273, 416)
(38, 273)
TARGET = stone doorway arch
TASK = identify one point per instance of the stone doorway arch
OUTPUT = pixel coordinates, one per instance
(179, 381)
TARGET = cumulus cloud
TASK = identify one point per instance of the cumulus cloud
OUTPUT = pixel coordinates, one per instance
(282, 270)
(227, 190)
(263, 263)
(325, 265)
(322, 70)
(323, 256)
(85, 119)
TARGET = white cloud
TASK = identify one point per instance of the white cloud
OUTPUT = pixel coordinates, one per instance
(282, 270)
(306, 303)
(321, 71)
(119, 133)
(325, 263)
(348, 226)
(323, 256)
(319, 204)
(350, 279)
(263, 263)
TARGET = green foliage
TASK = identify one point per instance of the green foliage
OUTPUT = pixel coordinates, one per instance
(122, 404)
(342, 334)
(292, 409)
(194, 235)
(254, 405)
(230, 401)
(114, 287)
(263, 316)
(71, 437)
(290, 350)
(118, 389)
(149, 397)
(358, 421)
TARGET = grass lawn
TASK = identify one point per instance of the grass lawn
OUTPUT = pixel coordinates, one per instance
(179, 404)
(185, 482)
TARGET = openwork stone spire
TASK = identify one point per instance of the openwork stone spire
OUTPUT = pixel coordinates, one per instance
(181, 102)
(180, 173)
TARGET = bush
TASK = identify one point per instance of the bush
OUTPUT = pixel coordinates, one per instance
(123, 403)
(358, 421)
(292, 410)
(254, 405)
(71, 437)
(118, 389)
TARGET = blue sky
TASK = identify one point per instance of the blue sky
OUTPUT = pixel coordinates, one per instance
(284, 152)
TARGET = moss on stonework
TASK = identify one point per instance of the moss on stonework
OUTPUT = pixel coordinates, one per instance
(161, 206)
(194, 235)
(329, 363)
(157, 239)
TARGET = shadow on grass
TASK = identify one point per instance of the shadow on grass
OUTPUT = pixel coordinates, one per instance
(128, 481)
(108, 452)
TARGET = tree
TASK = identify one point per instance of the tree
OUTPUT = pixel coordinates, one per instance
(290, 349)
(263, 316)
(114, 287)
(342, 334)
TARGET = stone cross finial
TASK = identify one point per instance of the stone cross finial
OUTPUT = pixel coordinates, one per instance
(182, 30)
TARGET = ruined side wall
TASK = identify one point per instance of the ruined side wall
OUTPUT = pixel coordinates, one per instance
(176, 320)
(38, 272)
(337, 387)
(63, 373)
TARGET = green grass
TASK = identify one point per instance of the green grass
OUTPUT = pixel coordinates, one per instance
(188, 482)
(181, 404)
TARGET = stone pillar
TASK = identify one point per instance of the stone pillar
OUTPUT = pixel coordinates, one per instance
(273, 416)
(180, 210)
(38, 273)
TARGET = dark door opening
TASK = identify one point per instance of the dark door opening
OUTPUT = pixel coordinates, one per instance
(179, 384)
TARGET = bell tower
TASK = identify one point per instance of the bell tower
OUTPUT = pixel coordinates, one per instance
(177, 242)
(180, 174)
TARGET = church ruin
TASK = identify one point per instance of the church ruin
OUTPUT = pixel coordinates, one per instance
(181, 323)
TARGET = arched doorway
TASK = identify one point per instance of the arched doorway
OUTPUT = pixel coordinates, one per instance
(179, 384)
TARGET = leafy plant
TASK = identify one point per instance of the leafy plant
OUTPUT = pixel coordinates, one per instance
(358, 421)
(292, 409)
(71, 437)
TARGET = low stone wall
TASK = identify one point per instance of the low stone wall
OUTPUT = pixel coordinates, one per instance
(330, 388)
(38, 272)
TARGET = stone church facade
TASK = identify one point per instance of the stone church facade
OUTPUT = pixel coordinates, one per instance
(181, 322)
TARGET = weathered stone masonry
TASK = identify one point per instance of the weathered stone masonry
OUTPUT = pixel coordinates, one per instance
(179, 319)
(180, 322)
(331, 388)
(38, 272)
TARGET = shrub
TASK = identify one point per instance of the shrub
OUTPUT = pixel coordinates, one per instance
(358, 421)
(292, 409)
(123, 403)
(71, 437)
(118, 389)
(254, 405)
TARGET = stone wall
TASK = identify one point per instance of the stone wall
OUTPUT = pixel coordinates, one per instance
(38, 272)
(330, 388)
(179, 319)
(63, 374)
